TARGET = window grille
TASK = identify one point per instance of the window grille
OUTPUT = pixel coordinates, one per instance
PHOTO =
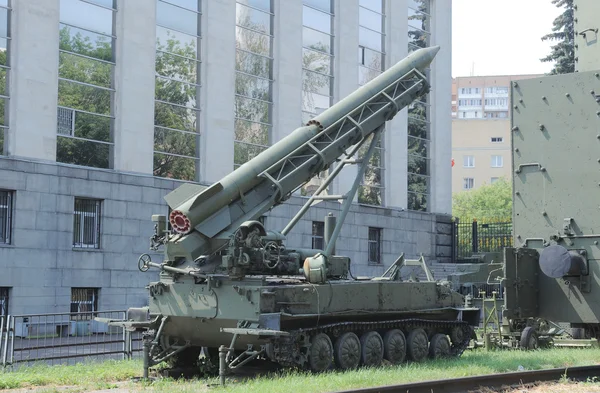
(5, 216)
(374, 245)
(86, 223)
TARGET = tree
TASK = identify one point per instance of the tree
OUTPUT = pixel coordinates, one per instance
(3, 91)
(418, 126)
(490, 201)
(176, 95)
(175, 84)
(318, 60)
(252, 88)
(563, 53)
(84, 98)
(370, 191)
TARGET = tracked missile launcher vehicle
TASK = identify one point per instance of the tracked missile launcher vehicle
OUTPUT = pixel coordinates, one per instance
(228, 281)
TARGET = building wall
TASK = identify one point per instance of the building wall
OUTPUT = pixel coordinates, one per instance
(117, 159)
(473, 149)
(481, 136)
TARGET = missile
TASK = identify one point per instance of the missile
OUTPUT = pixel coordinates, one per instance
(192, 210)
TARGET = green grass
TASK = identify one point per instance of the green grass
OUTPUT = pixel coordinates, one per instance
(88, 374)
(477, 362)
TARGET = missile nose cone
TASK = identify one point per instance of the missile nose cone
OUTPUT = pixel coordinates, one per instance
(424, 56)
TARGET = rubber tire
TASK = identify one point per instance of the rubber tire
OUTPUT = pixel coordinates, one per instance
(527, 335)
(389, 354)
(378, 357)
(347, 364)
(443, 340)
(417, 354)
(312, 362)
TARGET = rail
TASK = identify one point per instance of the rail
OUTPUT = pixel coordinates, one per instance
(490, 381)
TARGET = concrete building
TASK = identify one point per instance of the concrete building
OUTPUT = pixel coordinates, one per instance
(109, 105)
(481, 130)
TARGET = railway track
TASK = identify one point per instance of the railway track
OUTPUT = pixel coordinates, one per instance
(490, 381)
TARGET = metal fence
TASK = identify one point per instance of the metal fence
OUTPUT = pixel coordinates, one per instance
(472, 237)
(65, 338)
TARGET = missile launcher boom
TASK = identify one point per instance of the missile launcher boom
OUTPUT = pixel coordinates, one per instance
(228, 281)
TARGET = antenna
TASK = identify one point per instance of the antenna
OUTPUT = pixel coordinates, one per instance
(472, 69)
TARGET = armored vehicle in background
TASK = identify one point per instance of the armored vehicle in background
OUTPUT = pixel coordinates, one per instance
(227, 280)
(551, 273)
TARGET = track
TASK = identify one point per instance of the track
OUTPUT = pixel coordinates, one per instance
(491, 381)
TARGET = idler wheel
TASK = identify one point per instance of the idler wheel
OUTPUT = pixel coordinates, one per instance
(347, 351)
(439, 347)
(417, 345)
(320, 356)
(372, 349)
(394, 345)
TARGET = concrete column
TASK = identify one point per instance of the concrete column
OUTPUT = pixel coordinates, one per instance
(346, 72)
(441, 98)
(218, 89)
(396, 144)
(134, 85)
(287, 68)
(33, 79)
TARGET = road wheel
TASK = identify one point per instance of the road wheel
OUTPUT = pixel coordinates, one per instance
(394, 345)
(439, 347)
(372, 349)
(347, 351)
(320, 355)
(417, 345)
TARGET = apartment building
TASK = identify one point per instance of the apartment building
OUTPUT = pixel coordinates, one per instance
(481, 130)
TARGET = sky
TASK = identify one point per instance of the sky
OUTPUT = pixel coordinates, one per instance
(501, 37)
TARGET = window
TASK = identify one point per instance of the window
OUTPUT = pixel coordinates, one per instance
(86, 87)
(318, 235)
(497, 162)
(318, 63)
(5, 216)
(497, 139)
(5, 37)
(4, 301)
(371, 51)
(375, 245)
(493, 180)
(419, 114)
(317, 56)
(86, 223)
(177, 92)
(253, 79)
(468, 161)
(468, 183)
(84, 300)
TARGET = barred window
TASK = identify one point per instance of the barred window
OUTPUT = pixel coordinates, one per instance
(84, 300)
(5, 216)
(318, 233)
(374, 245)
(3, 301)
(86, 223)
